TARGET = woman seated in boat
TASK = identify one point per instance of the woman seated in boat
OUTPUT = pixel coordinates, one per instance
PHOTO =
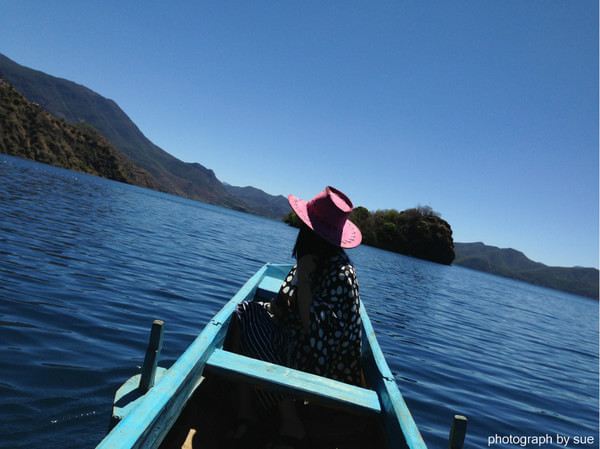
(313, 324)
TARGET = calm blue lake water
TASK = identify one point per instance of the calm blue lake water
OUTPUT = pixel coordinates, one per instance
(86, 265)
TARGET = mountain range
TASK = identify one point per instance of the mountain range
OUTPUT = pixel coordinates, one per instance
(75, 104)
(514, 264)
(27, 130)
(60, 122)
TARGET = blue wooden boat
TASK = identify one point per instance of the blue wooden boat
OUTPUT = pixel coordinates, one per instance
(157, 409)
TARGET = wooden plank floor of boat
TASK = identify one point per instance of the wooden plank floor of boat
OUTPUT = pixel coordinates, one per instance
(212, 415)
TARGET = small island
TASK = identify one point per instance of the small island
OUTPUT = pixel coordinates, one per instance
(418, 232)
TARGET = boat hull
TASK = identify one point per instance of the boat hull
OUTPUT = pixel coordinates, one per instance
(194, 402)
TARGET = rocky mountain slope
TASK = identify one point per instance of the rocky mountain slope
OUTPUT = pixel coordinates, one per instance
(29, 131)
(274, 206)
(77, 104)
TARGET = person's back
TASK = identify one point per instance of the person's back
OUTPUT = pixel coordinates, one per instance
(331, 346)
(314, 322)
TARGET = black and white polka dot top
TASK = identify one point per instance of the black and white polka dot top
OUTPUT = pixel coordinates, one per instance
(332, 345)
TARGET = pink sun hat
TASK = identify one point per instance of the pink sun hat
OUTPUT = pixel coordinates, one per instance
(327, 215)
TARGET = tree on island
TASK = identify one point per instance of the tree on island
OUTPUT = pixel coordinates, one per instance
(418, 232)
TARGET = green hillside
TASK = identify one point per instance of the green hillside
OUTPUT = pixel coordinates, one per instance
(78, 104)
(27, 130)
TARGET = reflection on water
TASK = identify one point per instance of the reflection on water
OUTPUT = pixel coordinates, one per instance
(86, 265)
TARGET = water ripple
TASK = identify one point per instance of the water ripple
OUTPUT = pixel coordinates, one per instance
(87, 264)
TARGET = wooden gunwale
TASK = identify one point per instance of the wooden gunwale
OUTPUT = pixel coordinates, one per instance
(398, 422)
(151, 419)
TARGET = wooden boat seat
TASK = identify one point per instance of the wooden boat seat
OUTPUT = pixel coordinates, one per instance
(268, 288)
(280, 378)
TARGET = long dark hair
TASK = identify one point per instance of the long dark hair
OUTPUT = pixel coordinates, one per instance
(308, 242)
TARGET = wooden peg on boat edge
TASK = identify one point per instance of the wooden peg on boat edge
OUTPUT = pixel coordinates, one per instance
(152, 355)
(458, 430)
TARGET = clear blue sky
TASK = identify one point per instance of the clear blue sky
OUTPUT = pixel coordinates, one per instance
(485, 110)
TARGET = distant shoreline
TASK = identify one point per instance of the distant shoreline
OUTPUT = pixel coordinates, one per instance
(592, 292)
(42, 122)
(513, 264)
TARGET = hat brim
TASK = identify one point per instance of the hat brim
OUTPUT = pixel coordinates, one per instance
(350, 237)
